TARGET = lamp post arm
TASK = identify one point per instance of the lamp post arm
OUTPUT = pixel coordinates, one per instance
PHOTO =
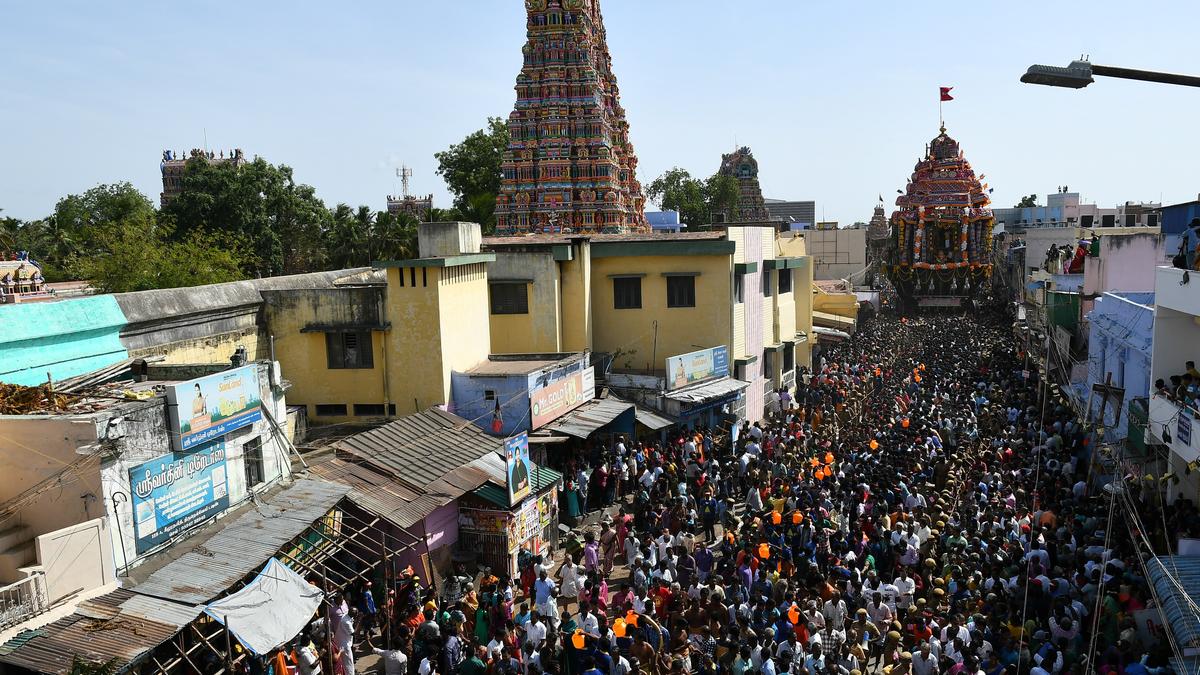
(1146, 75)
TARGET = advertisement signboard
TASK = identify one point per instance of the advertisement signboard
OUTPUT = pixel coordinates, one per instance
(557, 398)
(530, 520)
(174, 493)
(209, 407)
(517, 468)
(479, 520)
(694, 367)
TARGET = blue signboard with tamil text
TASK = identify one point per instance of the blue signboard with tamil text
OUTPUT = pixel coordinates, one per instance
(174, 493)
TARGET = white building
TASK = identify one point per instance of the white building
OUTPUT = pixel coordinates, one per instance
(1176, 341)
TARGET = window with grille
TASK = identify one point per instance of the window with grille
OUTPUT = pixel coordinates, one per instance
(766, 283)
(331, 409)
(739, 285)
(789, 358)
(349, 350)
(681, 291)
(253, 460)
(510, 298)
(627, 293)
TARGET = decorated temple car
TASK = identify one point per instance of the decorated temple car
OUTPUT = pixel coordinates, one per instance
(941, 232)
(569, 165)
(20, 277)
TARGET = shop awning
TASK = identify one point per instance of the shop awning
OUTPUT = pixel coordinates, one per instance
(589, 417)
(543, 478)
(827, 320)
(707, 391)
(1176, 579)
(651, 420)
(270, 610)
(831, 334)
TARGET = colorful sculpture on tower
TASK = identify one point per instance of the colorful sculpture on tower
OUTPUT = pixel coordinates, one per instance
(569, 166)
(942, 228)
(750, 205)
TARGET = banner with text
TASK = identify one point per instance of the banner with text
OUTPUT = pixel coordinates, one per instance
(694, 367)
(174, 493)
(210, 407)
(558, 398)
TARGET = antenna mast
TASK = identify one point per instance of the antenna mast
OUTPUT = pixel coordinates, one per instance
(404, 173)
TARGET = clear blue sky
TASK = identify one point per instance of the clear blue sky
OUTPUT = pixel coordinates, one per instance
(836, 99)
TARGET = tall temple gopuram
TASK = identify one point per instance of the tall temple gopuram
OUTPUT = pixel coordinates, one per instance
(750, 207)
(569, 166)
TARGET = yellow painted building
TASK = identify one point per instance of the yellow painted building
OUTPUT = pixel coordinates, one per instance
(385, 348)
(644, 298)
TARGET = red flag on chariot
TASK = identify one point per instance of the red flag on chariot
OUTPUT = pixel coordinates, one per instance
(946, 93)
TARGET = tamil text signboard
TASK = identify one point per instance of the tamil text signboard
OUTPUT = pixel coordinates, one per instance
(174, 493)
(696, 367)
(209, 407)
(518, 468)
(557, 398)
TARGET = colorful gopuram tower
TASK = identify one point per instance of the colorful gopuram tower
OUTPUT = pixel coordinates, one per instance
(741, 165)
(569, 166)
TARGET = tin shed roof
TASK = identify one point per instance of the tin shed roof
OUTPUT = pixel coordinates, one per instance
(589, 417)
(422, 448)
(241, 543)
(121, 626)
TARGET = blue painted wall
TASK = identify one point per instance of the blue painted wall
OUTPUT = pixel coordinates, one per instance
(468, 399)
(66, 338)
(1176, 218)
(1122, 330)
(468, 396)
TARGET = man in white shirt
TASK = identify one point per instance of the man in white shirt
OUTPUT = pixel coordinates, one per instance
(395, 661)
(924, 662)
(535, 631)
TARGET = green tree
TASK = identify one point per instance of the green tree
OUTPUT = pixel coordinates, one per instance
(676, 190)
(695, 200)
(346, 238)
(393, 237)
(137, 254)
(1027, 202)
(282, 221)
(722, 194)
(472, 170)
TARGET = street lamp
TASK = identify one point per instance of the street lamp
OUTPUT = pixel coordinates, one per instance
(1079, 74)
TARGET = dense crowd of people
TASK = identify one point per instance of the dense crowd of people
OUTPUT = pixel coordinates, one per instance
(919, 504)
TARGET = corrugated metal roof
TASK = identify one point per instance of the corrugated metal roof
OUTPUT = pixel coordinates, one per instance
(543, 477)
(589, 417)
(241, 543)
(373, 491)
(708, 391)
(420, 449)
(120, 625)
(1176, 607)
(651, 420)
(523, 364)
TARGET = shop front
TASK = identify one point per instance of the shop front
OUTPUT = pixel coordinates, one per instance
(707, 404)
